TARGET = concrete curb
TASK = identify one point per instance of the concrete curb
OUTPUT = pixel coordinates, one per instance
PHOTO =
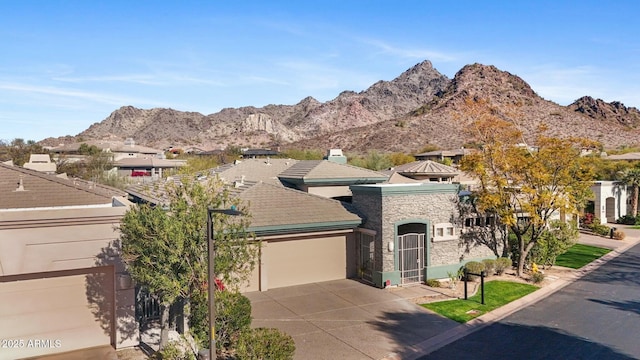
(434, 343)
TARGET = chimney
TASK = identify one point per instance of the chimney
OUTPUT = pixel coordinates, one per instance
(336, 156)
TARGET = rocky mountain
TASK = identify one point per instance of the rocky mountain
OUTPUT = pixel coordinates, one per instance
(603, 111)
(251, 126)
(441, 121)
(418, 108)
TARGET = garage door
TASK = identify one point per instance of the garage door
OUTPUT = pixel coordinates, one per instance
(56, 314)
(295, 262)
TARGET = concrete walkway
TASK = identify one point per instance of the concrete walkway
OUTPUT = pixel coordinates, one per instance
(345, 319)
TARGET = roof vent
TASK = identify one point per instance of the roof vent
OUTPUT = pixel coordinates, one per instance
(20, 184)
(238, 183)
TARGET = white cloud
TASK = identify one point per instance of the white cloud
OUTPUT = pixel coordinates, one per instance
(410, 53)
(57, 92)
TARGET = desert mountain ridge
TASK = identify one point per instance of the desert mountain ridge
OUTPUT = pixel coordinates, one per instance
(419, 107)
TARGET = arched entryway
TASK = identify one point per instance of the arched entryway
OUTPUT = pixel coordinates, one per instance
(412, 252)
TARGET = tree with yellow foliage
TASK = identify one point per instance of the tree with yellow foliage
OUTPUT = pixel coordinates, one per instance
(525, 185)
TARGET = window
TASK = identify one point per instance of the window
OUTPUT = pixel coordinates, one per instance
(481, 221)
(444, 231)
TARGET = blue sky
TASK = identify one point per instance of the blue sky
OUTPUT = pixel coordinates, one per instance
(67, 64)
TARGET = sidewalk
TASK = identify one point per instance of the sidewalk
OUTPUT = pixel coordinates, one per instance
(436, 342)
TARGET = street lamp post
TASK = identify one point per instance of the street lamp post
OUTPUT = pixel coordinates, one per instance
(211, 273)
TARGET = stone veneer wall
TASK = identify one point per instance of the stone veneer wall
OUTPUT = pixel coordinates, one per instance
(370, 208)
(384, 211)
(432, 208)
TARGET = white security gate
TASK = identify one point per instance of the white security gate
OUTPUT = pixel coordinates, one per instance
(411, 254)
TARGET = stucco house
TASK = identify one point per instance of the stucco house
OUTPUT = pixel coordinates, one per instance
(455, 155)
(117, 149)
(610, 201)
(146, 168)
(62, 286)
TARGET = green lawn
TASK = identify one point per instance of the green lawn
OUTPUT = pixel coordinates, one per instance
(580, 255)
(496, 294)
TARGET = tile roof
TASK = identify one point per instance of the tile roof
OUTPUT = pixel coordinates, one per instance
(275, 206)
(113, 146)
(627, 156)
(41, 190)
(445, 153)
(276, 209)
(426, 167)
(323, 170)
(265, 170)
(397, 178)
(149, 162)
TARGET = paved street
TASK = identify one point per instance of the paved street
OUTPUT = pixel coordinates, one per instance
(597, 317)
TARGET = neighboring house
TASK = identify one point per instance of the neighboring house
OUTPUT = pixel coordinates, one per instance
(61, 279)
(327, 178)
(146, 168)
(610, 201)
(42, 163)
(441, 155)
(259, 153)
(118, 150)
(427, 171)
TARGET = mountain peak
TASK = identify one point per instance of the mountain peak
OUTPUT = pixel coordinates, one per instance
(378, 117)
(601, 110)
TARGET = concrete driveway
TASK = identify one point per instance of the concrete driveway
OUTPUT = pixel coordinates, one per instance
(345, 319)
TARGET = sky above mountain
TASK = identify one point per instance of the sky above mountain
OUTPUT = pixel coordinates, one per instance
(68, 64)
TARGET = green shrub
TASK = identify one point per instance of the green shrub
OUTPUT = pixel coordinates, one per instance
(502, 263)
(474, 267)
(233, 316)
(537, 277)
(628, 220)
(555, 240)
(433, 283)
(173, 351)
(489, 266)
(600, 229)
(262, 343)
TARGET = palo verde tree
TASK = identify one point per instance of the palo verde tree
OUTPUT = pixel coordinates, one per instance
(164, 245)
(526, 186)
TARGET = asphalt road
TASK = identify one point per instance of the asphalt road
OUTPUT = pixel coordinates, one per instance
(596, 317)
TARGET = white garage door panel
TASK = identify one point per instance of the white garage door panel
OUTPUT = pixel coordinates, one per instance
(53, 315)
(298, 262)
